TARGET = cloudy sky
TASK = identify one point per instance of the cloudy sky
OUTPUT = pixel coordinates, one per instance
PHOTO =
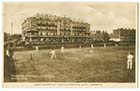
(101, 16)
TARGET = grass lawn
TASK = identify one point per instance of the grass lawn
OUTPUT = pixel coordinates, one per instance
(75, 65)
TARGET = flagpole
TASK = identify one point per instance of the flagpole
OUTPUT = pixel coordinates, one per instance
(11, 28)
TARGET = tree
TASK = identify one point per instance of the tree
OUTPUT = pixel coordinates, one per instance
(98, 35)
(5, 36)
(105, 36)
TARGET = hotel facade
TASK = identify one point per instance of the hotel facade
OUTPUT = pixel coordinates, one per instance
(47, 29)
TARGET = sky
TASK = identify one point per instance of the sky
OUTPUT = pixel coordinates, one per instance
(100, 16)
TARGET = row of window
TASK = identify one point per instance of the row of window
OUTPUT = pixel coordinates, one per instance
(47, 28)
(54, 39)
(52, 29)
(55, 33)
(54, 23)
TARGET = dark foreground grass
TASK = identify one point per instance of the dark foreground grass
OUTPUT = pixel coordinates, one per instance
(75, 65)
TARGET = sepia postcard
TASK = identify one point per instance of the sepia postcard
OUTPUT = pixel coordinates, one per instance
(70, 44)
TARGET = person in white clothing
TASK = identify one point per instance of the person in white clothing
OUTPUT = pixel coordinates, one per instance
(53, 55)
(104, 45)
(92, 46)
(62, 49)
(80, 46)
(36, 48)
(130, 61)
(7, 53)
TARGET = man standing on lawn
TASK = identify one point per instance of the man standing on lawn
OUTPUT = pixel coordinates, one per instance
(129, 61)
(53, 55)
(62, 49)
(92, 46)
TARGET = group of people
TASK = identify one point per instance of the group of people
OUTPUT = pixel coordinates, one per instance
(129, 57)
(9, 59)
(53, 54)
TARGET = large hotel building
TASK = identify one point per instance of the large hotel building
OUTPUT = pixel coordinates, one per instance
(44, 28)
